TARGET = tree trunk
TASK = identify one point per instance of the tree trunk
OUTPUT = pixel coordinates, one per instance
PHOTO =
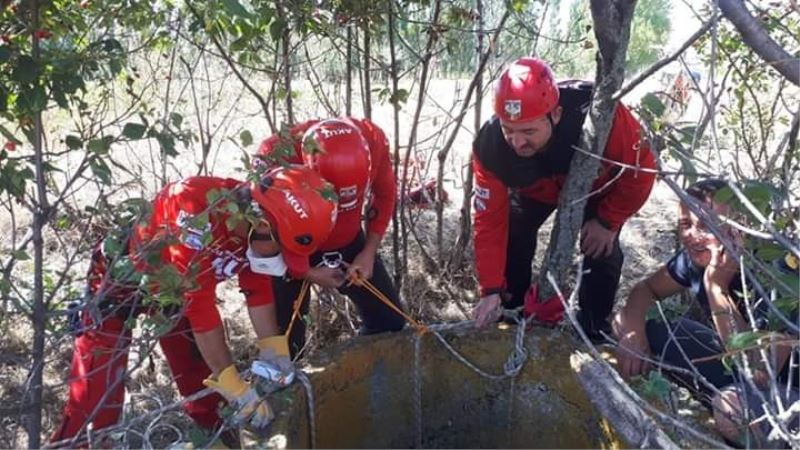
(367, 75)
(475, 86)
(754, 35)
(612, 27)
(465, 219)
(33, 404)
(348, 70)
(398, 277)
(412, 138)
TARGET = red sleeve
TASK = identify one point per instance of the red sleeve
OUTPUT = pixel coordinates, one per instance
(257, 289)
(285, 148)
(384, 187)
(628, 193)
(201, 308)
(490, 229)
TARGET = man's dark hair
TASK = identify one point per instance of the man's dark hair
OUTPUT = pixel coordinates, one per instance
(704, 190)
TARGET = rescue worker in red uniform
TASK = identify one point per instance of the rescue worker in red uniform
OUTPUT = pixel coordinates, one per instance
(203, 230)
(521, 157)
(352, 154)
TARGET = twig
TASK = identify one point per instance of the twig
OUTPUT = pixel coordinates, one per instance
(610, 373)
(726, 353)
(668, 59)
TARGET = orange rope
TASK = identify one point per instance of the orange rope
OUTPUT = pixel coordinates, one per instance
(359, 281)
(297, 303)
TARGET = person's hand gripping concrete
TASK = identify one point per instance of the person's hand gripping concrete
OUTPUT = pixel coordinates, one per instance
(274, 362)
(249, 407)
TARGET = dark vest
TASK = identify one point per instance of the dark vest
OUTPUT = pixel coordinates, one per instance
(495, 155)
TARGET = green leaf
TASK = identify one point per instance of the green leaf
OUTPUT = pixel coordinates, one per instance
(167, 144)
(760, 194)
(655, 386)
(518, 6)
(25, 70)
(240, 44)
(134, 130)
(73, 142)
(687, 133)
(328, 193)
(5, 54)
(653, 104)
(769, 251)
(199, 221)
(213, 196)
(100, 170)
(5, 286)
(246, 137)
(20, 255)
(276, 31)
(176, 119)
(744, 339)
(235, 8)
(37, 99)
(724, 195)
(100, 146)
(62, 223)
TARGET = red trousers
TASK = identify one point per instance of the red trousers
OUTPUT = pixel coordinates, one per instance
(97, 379)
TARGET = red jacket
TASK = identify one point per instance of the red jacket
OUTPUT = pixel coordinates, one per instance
(540, 177)
(382, 182)
(194, 239)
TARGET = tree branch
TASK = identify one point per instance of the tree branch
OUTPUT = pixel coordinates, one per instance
(658, 65)
(612, 26)
(754, 35)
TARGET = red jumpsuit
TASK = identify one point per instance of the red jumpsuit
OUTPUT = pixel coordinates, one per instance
(192, 245)
(514, 195)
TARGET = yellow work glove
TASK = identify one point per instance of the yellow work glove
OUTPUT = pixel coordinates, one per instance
(274, 362)
(243, 397)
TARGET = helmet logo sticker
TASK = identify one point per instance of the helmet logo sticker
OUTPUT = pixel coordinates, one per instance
(513, 108)
(330, 132)
(348, 197)
(295, 204)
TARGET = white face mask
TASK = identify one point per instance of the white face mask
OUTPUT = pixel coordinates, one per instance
(270, 265)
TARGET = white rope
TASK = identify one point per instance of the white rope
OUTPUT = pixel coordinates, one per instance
(516, 360)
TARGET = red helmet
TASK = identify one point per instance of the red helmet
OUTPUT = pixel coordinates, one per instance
(337, 150)
(300, 205)
(525, 91)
